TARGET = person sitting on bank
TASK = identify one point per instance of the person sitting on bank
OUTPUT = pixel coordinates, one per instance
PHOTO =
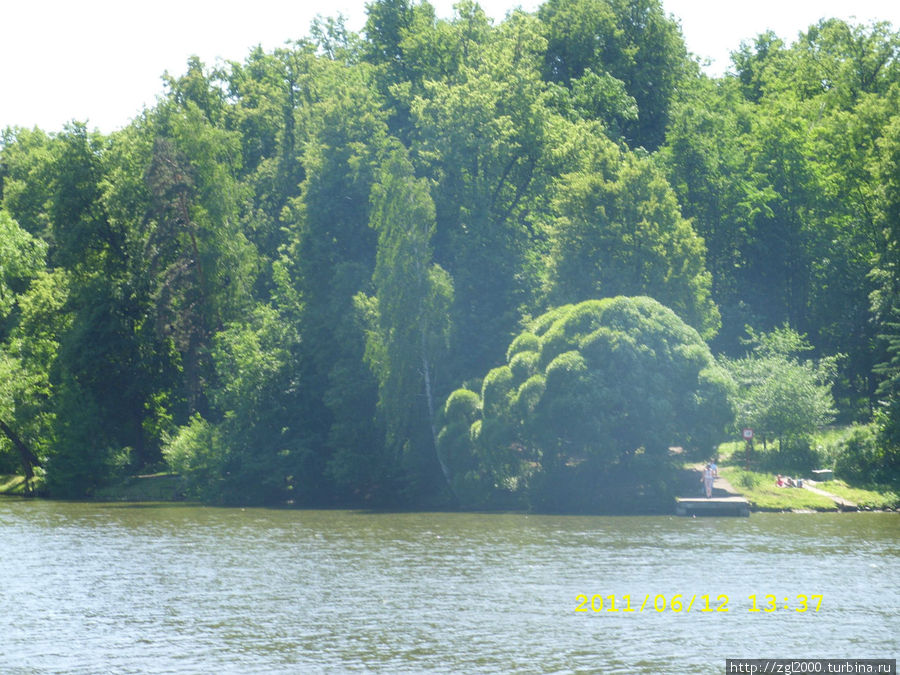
(779, 481)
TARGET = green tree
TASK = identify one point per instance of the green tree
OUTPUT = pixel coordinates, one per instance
(203, 266)
(331, 258)
(259, 445)
(619, 231)
(886, 297)
(99, 398)
(705, 160)
(484, 138)
(26, 160)
(273, 93)
(24, 366)
(591, 398)
(407, 344)
(778, 169)
(21, 258)
(631, 41)
(780, 396)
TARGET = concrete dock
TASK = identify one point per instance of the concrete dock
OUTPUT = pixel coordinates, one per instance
(713, 506)
(725, 501)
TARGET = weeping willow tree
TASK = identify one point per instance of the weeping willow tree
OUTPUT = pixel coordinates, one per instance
(585, 410)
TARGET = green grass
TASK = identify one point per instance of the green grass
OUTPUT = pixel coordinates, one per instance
(762, 493)
(880, 497)
(733, 451)
(759, 487)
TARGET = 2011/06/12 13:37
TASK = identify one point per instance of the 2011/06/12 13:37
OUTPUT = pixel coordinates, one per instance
(707, 603)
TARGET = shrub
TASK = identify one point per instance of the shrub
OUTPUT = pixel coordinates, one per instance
(862, 457)
(791, 455)
(195, 452)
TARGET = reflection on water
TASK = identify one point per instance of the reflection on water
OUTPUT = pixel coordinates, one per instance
(90, 588)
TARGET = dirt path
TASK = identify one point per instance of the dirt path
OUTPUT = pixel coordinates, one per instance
(694, 483)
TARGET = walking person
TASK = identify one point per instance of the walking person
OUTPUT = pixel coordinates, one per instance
(708, 479)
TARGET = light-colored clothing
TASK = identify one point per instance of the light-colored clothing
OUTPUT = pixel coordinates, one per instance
(708, 479)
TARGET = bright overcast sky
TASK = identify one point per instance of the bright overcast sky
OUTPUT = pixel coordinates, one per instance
(100, 61)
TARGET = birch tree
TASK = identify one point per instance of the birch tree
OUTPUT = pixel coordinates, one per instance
(410, 324)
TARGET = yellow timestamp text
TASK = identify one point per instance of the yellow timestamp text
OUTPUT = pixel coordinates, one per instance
(707, 602)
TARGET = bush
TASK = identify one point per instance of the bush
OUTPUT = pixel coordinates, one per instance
(791, 456)
(863, 459)
(195, 453)
(749, 480)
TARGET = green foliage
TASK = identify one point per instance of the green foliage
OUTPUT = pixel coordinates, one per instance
(280, 270)
(781, 397)
(329, 259)
(26, 164)
(27, 358)
(485, 136)
(81, 458)
(864, 458)
(21, 258)
(30, 318)
(620, 232)
(783, 170)
(197, 454)
(632, 42)
(610, 385)
(410, 324)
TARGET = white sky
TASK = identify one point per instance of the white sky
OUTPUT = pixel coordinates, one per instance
(101, 61)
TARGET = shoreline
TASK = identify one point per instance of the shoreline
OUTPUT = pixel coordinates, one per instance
(111, 496)
(169, 488)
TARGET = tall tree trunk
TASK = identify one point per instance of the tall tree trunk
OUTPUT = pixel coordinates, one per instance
(429, 398)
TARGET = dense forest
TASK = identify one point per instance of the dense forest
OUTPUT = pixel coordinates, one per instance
(459, 263)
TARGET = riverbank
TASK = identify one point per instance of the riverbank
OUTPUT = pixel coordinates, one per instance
(160, 487)
(764, 495)
(758, 488)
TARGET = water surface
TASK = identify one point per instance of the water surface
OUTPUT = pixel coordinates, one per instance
(96, 588)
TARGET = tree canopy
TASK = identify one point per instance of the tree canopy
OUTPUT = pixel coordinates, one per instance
(296, 278)
(603, 388)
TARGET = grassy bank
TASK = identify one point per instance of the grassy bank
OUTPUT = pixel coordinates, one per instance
(879, 497)
(762, 493)
(760, 490)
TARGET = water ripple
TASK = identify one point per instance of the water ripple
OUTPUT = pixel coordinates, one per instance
(117, 589)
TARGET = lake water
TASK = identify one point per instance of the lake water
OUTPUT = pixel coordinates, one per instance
(94, 588)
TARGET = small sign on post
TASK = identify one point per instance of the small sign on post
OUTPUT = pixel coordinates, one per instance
(747, 433)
